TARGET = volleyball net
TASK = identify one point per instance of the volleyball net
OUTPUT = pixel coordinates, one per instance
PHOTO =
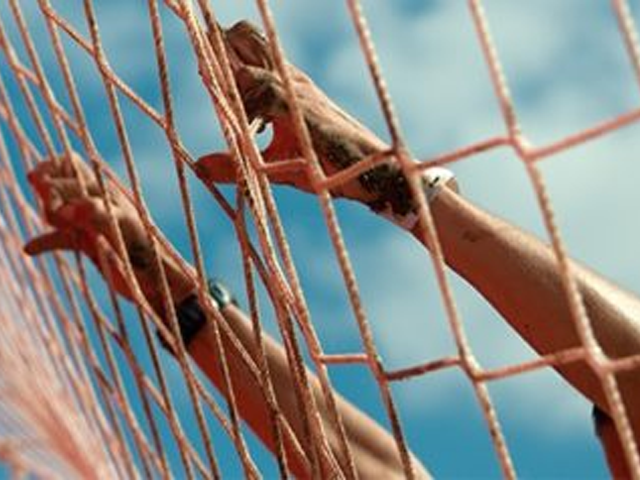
(69, 372)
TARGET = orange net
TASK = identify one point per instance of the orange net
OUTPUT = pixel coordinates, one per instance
(64, 362)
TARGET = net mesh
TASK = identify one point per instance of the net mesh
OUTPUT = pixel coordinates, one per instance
(80, 419)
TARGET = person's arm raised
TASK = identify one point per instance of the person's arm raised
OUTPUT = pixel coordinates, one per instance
(519, 275)
(81, 223)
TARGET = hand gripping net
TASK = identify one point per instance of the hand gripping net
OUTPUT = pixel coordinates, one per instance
(65, 401)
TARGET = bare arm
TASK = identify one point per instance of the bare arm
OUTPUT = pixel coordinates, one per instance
(374, 450)
(513, 270)
(80, 220)
(518, 275)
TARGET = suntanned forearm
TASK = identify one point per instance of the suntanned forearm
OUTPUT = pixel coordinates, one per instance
(518, 275)
(250, 397)
(374, 450)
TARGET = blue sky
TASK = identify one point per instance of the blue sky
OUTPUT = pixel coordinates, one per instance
(567, 70)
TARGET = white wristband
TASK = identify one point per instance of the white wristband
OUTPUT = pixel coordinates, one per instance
(434, 179)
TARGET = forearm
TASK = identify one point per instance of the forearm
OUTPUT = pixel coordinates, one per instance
(149, 277)
(250, 396)
(519, 276)
(373, 448)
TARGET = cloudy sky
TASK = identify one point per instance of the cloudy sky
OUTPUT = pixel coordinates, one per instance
(567, 70)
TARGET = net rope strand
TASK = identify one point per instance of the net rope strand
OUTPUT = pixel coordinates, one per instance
(303, 313)
(209, 75)
(629, 32)
(49, 300)
(47, 337)
(467, 360)
(195, 243)
(247, 463)
(125, 345)
(127, 155)
(79, 325)
(133, 181)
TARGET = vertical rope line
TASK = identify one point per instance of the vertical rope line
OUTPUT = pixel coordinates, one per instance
(115, 444)
(594, 355)
(375, 363)
(11, 58)
(44, 87)
(66, 289)
(185, 270)
(303, 396)
(371, 57)
(223, 325)
(96, 316)
(48, 338)
(43, 335)
(305, 324)
(19, 135)
(101, 62)
(627, 28)
(335, 234)
(126, 151)
(498, 78)
(115, 372)
(50, 101)
(275, 415)
(23, 273)
(46, 407)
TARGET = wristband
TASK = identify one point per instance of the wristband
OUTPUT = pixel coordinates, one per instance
(191, 316)
(433, 180)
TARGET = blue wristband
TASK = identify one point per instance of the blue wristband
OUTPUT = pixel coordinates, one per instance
(191, 317)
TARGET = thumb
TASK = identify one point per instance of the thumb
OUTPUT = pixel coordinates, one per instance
(55, 240)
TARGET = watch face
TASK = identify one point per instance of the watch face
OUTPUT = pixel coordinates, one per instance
(220, 293)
